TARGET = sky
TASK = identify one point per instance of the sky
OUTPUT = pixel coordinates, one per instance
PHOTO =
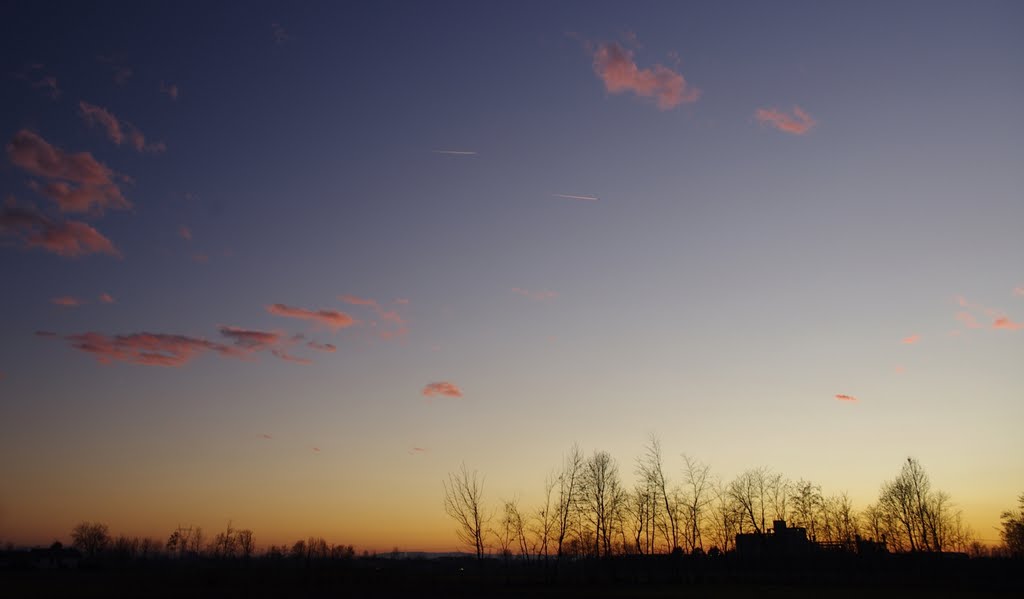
(289, 265)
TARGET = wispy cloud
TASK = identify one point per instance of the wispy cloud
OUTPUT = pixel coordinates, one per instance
(70, 239)
(1019, 290)
(569, 196)
(78, 182)
(95, 115)
(968, 320)
(200, 258)
(387, 316)
(117, 130)
(441, 388)
(106, 298)
(797, 123)
(49, 85)
(185, 233)
(284, 355)
(910, 340)
(1004, 323)
(149, 349)
(47, 334)
(251, 339)
(620, 73)
(66, 301)
(170, 90)
(333, 319)
(455, 152)
(900, 369)
(842, 397)
(264, 436)
(325, 347)
(418, 450)
(536, 295)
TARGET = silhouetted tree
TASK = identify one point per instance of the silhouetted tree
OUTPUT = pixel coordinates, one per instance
(697, 477)
(245, 543)
(602, 496)
(463, 502)
(652, 472)
(544, 520)
(90, 538)
(569, 480)
(185, 541)
(1012, 532)
(918, 517)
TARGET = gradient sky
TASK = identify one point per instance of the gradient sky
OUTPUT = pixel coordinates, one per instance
(590, 222)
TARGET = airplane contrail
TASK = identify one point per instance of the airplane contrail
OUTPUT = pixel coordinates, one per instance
(573, 197)
(455, 152)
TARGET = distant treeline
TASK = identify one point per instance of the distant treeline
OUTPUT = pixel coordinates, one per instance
(586, 511)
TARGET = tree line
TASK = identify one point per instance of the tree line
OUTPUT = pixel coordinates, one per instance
(94, 541)
(585, 510)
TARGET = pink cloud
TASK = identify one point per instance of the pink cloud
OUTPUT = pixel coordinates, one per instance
(401, 301)
(264, 436)
(389, 316)
(185, 233)
(616, 67)
(536, 295)
(78, 182)
(118, 131)
(325, 347)
(251, 340)
(333, 319)
(284, 355)
(316, 450)
(842, 397)
(200, 258)
(148, 349)
(418, 450)
(900, 370)
(798, 123)
(66, 301)
(1006, 324)
(64, 238)
(968, 320)
(1019, 290)
(912, 339)
(106, 298)
(357, 301)
(95, 115)
(442, 388)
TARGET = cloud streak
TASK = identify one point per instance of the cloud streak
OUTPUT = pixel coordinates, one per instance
(797, 123)
(910, 340)
(842, 397)
(148, 349)
(615, 66)
(455, 152)
(569, 196)
(332, 319)
(441, 388)
(66, 301)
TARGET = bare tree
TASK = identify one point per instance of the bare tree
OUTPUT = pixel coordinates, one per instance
(245, 543)
(568, 494)
(1012, 532)
(602, 495)
(463, 502)
(697, 476)
(728, 516)
(807, 507)
(651, 470)
(544, 520)
(184, 541)
(750, 492)
(925, 520)
(91, 538)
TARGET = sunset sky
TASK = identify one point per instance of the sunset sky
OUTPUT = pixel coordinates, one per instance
(289, 265)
